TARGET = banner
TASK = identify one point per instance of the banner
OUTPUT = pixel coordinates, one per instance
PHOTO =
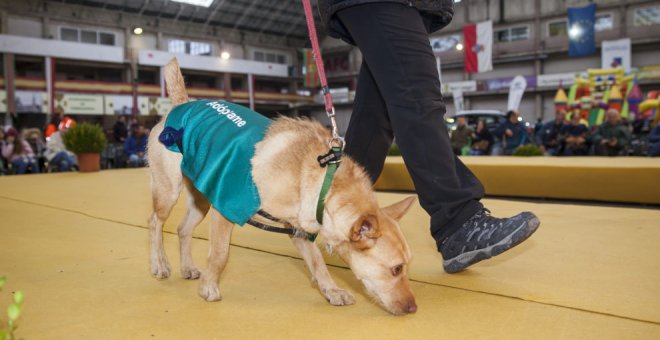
(516, 90)
(616, 53)
(159, 106)
(478, 49)
(553, 80)
(458, 100)
(581, 33)
(311, 77)
(463, 86)
(66, 103)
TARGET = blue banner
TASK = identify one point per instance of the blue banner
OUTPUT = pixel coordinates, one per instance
(581, 34)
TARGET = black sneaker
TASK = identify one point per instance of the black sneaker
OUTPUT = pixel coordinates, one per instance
(483, 236)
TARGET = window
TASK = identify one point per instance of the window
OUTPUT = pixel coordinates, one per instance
(603, 22)
(647, 16)
(443, 44)
(512, 34)
(188, 47)
(270, 57)
(87, 36)
(106, 39)
(558, 28)
(69, 34)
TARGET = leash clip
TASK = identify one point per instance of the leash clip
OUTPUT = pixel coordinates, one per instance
(332, 157)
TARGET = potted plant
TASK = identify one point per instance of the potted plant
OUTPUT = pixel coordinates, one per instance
(87, 141)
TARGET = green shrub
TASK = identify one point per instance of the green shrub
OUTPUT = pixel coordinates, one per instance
(394, 150)
(13, 312)
(528, 150)
(85, 138)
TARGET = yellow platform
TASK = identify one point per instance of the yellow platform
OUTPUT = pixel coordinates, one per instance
(609, 179)
(76, 244)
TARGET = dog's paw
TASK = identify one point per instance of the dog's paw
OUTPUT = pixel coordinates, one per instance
(210, 292)
(160, 269)
(339, 297)
(190, 273)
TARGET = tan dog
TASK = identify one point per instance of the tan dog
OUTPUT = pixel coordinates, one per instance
(366, 237)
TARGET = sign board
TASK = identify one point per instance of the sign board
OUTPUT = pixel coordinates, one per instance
(67, 103)
(463, 86)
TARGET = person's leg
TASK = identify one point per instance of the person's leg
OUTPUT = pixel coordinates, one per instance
(62, 161)
(20, 165)
(395, 47)
(369, 134)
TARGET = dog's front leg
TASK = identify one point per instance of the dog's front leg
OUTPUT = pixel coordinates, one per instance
(320, 275)
(219, 237)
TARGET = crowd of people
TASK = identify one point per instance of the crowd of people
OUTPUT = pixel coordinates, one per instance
(565, 135)
(31, 151)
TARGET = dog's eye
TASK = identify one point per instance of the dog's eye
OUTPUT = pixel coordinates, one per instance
(396, 270)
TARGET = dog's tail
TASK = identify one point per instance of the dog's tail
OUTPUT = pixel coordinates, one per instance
(176, 88)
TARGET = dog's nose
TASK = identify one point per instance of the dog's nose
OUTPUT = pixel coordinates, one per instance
(412, 306)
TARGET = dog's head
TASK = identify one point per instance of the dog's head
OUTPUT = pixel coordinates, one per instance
(369, 239)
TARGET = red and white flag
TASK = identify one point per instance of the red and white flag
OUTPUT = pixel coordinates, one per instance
(478, 47)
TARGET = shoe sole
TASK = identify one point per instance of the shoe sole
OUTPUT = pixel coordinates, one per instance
(467, 259)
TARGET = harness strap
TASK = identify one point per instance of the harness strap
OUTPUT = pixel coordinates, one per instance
(289, 230)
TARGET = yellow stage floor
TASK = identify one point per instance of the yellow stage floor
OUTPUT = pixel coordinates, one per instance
(76, 245)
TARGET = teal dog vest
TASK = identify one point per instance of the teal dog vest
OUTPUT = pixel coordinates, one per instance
(217, 140)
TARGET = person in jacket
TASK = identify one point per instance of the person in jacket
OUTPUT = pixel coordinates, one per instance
(398, 96)
(56, 152)
(482, 140)
(511, 133)
(135, 146)
(548, 135)
(654, 141)
(611, 137)
(19, 153)
(461, 136)
(574, 137)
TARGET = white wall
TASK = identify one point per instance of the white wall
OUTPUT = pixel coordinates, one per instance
(27, 27)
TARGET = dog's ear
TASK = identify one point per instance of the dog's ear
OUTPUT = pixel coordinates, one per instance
(397, 210)
(365, 232)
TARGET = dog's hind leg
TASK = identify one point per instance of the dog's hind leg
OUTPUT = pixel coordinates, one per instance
(165, 188)
(320, 275)
(198, 206)
(219, 238)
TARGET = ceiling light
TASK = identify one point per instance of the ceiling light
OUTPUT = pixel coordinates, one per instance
(224, 55)
(138, 30)
(459, 46)
(203, 3)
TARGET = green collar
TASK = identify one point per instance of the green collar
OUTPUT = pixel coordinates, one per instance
(331, 160)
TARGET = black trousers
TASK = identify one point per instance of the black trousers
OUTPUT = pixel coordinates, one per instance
(398, 96)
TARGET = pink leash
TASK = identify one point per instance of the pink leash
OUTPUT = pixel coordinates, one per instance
(316, 51)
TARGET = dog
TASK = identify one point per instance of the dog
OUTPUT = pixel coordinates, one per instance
(366, 237)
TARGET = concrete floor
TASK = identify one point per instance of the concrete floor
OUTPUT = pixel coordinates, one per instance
(76, 245)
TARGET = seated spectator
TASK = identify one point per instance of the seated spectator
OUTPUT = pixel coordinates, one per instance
(3, 161)
(56, 153)
(135, 146)
(611, 137)
(482, 140)
(38, 144)
(654, 141)
(511, 133)
(119, 130)
(548, 135)
(460, 137)
(19, 153)
(574, 137)
(52, 127)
